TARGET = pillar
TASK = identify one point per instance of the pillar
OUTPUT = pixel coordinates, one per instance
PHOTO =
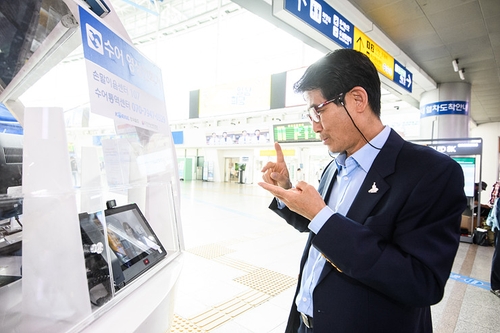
(444, 112)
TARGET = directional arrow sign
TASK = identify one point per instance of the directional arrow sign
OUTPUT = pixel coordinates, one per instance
(320, 16)
(323, 18)
(381, 59)
(403, 76)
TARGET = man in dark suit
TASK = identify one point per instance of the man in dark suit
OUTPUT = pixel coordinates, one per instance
(384, 223)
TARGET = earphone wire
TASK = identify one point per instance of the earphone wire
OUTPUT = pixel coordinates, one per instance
(352, 120)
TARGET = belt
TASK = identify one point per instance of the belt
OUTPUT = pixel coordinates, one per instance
(308, 321)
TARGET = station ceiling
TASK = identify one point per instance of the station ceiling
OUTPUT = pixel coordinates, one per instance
(435, 32)
(431, 32)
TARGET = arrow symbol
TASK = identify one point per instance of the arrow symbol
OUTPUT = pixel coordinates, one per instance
(300, 4)
(359, 42)
(408, 80)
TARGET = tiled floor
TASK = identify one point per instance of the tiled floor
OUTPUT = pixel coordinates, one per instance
(241, 264)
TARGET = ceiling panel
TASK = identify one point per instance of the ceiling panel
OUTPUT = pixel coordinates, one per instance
(433, 6)
(456, 16)
(419, 26)
(396, 13)
(468, 30)
(489, 7)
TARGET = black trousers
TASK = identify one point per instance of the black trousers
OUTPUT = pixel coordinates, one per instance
(495, 263)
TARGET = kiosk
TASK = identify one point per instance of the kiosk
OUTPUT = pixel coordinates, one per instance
(91, 239)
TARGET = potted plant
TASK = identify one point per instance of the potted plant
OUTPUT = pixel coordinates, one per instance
(242, 168)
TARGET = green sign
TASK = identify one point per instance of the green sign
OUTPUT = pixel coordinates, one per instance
(296, 132)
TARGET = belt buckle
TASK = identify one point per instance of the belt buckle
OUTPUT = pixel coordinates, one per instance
(305, 320)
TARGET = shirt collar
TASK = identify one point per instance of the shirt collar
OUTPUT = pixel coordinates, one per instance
(367, 154)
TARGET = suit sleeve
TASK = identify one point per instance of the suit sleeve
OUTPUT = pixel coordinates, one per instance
(295, 220)
(406, 247)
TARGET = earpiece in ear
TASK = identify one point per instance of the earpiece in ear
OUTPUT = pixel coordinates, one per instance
(341, 100)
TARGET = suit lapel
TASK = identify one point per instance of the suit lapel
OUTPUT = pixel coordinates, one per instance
(365, 201)
(374, 186)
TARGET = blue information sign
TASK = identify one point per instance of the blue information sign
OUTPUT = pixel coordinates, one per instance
(444, 107)
(123, 84)
(106, 49)
(402, 76)
(8, 124)
(322, 17)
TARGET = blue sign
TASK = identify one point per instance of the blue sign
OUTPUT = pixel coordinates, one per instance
(402, 76)
(178, 137)
(322, 17)
(104, 48)
(444, 107)
(123, 84)
(8, 124)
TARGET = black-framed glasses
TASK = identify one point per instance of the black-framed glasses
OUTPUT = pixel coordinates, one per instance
(314, 112)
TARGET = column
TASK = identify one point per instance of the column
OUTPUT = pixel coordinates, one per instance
(444, 112)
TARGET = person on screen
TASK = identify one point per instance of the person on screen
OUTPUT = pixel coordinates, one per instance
(384, 223)
(142, 238)
(244, 138)
(258, 137)
(130, 231)
(117, 246)
(133, 241)
(226, 140)
(214, 139)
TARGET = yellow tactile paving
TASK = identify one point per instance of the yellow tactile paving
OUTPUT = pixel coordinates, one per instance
(210, 251)
(267, 281)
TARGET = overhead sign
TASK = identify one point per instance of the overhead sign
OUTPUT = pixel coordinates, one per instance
(123, 84)
(444, 108)
(381, 59)
(322, 17)
(402, 76)
(296, 132)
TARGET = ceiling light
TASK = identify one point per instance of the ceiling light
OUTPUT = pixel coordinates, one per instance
(455, 65)
(461, 74)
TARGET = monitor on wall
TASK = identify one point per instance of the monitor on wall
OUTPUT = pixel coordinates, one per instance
(468, 165)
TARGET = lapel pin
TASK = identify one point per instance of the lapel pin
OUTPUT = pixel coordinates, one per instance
(374, 189)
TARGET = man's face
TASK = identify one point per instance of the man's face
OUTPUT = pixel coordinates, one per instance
(335, 128)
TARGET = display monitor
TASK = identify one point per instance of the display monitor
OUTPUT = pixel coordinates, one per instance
(132, 240)
(134, 248)
(296, 132)
(468, 165)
